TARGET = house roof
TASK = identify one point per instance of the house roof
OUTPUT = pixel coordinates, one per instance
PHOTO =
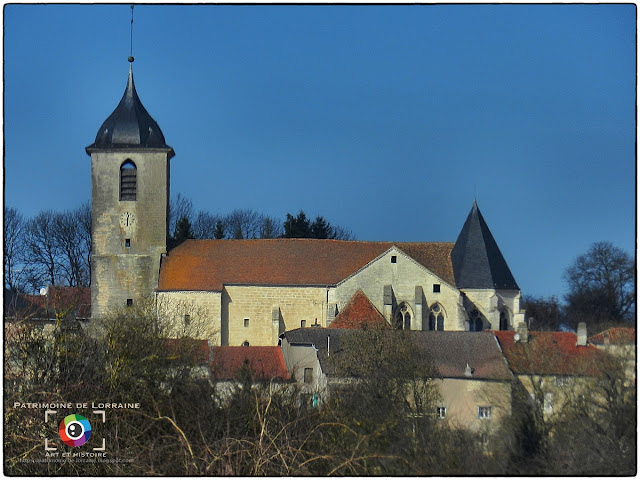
(549, 353)
(130, 125)
(359, 311)
(266, 363)
(616, 336)
(448, 351)
(477, 260)
(210, 264)
(74, 301)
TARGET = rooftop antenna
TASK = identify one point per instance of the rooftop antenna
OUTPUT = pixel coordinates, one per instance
(131, 38)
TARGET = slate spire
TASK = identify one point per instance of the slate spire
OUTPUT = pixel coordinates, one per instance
(476, 259)
(130, 125)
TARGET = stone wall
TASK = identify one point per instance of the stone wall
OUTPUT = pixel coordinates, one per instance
(402, 274)
(259, 314)
(128, 237)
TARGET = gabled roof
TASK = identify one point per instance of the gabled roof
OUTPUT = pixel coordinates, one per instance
(477, 260)
(448, 351)
(615, 336)
(265, 363)
(130, 125)
(359, 311)
(549, 353)
(207, 265)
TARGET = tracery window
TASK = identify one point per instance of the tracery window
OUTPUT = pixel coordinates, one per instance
(476, 321)
(504, 320)
(436, 317)
(403, 318)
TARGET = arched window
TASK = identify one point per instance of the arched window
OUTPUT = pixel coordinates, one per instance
(476, 321)
(128, 181)
(504, 320)
(436, 317)
(403, 318)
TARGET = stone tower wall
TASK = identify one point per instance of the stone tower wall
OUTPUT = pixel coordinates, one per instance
(126, 258)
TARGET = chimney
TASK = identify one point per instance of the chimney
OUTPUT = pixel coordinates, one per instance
(582, 335)
(523, 333)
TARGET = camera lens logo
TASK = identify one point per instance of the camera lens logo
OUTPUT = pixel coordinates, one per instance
(74, 430)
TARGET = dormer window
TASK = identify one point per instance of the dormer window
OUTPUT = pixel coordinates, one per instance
(128, 181)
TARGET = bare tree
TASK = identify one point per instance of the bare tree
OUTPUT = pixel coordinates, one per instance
(42, 251)
(244, 223)
(271, 228)
(180, 207)
(71, 240)
(601, 285)
(204, 225)
(14, 225)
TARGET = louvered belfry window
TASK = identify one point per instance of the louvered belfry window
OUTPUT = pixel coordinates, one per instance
(128, 182)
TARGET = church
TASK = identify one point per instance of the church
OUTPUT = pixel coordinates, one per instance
(249, 292)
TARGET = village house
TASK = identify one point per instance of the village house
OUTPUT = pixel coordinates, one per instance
(470, 373)
(551, 368)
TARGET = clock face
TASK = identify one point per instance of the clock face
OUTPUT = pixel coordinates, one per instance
(127, 219)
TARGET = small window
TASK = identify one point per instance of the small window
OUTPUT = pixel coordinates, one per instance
(484, 412)
(127, 242)
(436, 288)
(441, 412)
(548, 403)
(303, 323)
(308, 375)
(562, 381)
(129, 302)
(245, 343)
(187, 319)
(246, 323)
(394, 259)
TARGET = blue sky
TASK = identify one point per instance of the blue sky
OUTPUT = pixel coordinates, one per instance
(387, 120)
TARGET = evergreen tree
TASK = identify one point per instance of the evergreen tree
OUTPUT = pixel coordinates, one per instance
(183, 230)
(218, 234)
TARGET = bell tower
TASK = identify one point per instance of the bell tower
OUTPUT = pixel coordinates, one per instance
(129, 205)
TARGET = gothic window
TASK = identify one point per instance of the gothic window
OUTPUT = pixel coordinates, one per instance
(403, 318)
(504, 320)
(436, 317)
(476, 322)
(128, 181)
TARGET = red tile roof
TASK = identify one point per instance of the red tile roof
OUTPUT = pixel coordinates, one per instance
(617, 336)
(358, 312)
(73, 301)
(210, 264)
(266, 363)
(549, 353)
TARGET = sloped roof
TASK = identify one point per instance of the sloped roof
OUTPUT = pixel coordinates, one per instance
(75, 301)
(549, 353)
(266, 363)
(359, 311)
(617, 336)
(210, 264)
(130, 125)
(448, 351)
(476, 259)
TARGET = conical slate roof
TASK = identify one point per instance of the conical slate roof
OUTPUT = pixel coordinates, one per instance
(130, 125)
(476, 259)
